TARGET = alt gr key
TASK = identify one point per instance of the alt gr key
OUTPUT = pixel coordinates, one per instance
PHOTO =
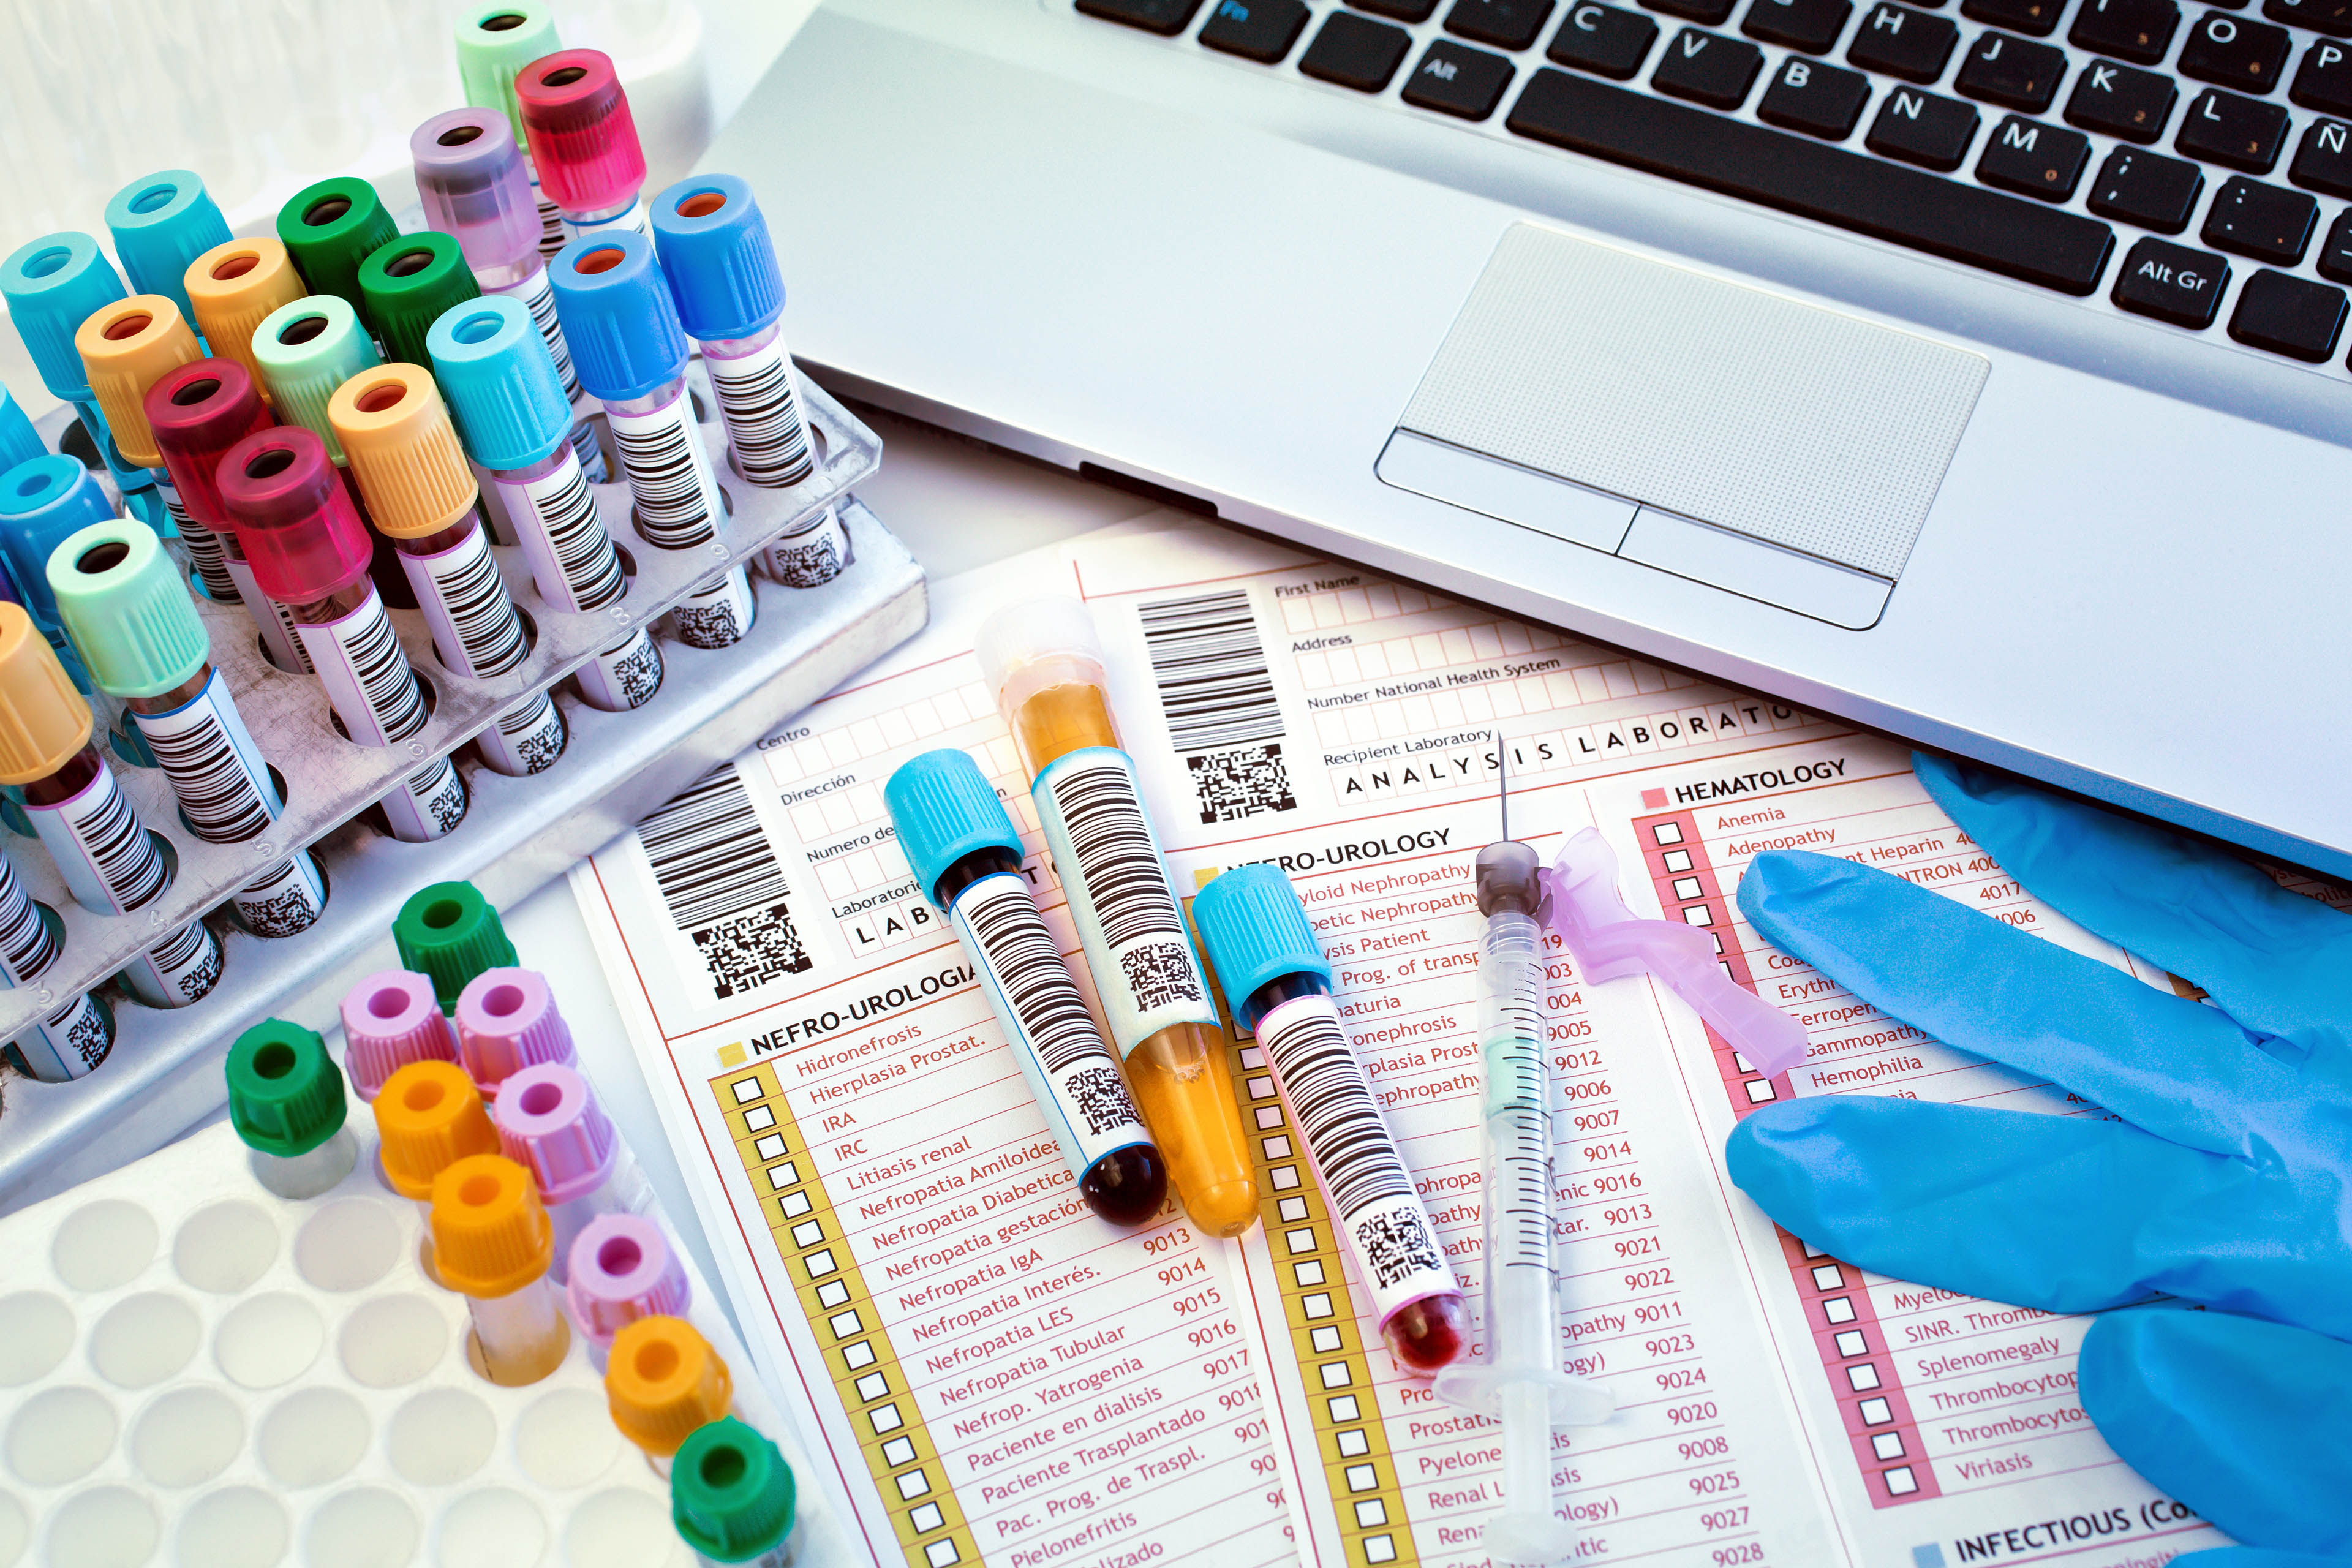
(2172, 283)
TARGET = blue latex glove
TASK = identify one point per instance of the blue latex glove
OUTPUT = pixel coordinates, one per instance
(2228, 1182)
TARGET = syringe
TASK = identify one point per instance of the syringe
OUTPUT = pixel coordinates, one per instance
(1519, 1380)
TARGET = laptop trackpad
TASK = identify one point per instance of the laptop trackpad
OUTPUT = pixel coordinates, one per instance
(1724, 433)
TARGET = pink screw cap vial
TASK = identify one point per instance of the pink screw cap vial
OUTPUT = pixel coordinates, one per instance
(550, 1123)
(301, 534)
(506, 1021)
(582, 136)
(390, 1019)
(621, 1269)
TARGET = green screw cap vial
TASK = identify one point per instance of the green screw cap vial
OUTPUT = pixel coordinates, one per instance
(495, 40)
(406, 285)
(330, 229)
(732, 1495)
(285, 1092)
(448, 933)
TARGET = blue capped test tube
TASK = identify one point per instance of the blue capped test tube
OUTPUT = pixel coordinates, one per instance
(161, 222)
(52, 284)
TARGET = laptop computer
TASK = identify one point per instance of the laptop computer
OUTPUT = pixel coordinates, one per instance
(1971, 371)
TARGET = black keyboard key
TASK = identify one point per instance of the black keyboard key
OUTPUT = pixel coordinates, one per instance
(2172, 283)
(2135, 30)
(2324, 81)
(1817, 99)
(1261, 30)
(2120, 101)
(1402, 10)
(2333, 17)
(1964, 222)
(2012, 72)
(1811, 26)
(1902, 42)
(2148, 189)
(1603, 40)
(1923, 128)
(1354, 51)
(1710, 13)
(2034, 160)
(2324, 161)
(1455, 80)
(1505, 23)
(1152, 15)
(2230, 51)
(2290, 316)
(2335, 260)
(1708, 68)
(2235, 132)
(2034, 16)
(2261, 221)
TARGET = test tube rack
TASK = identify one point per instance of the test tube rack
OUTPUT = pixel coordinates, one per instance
(164, 1074)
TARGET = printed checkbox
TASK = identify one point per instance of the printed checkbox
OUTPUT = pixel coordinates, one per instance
(1362, 1477)
(873, 1385)
(1861, 1378)
(1284, 1178)
(792, 1205)
(759, 1119)
(1325, 1338)
(940, 1553)
(1699, 915)
(885, 1418)
(808, 1233)
(1291, 1210)
(1266, 1116)
(821, 1263)
(1380, 1548)
(1839, 1310)
(747, 1089)
(787, 1174)
(1343, 1408)
(926, 1517)
(832, 1293)
(1278, 1148)
(1318, 1305)
(1678, 860)
(770, 1146)
(912, 1485)
(1887, 1444)
(1253, 1059)
(1759, 1090)
(858, 1355)
(1371, 1512)
(846, 1324)
(1354, 1443)
(899, 1451)
(1308, 1270)
(1261, 1088)
(1668, 832)
(1334, 1374)
(1853, 1342)
(1900, 1481)
(1688, 887)
(1827, 1278)
(1875, 1411)
(1300, 1240)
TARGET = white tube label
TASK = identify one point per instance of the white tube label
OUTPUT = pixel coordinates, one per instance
(670, 478)
(1070, 1070)
(572, 557)
(272, 619)
(526, 739)
(76, 1037)
(203, 544)
(177, 970)
(1125, 906)
(622, 676)
(375, 694)
(1370, 1193)
(101, 847)
(536, 294)
(717, 612)
(811, 555)
(475, 628)
(761, 407)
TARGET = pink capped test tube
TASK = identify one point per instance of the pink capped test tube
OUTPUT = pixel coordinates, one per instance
(506, 1021)
(390, 1019)
(621, 1268)
(584, 140)
(550, 1125)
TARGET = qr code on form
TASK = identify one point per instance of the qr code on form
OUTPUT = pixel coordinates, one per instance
(745, 952)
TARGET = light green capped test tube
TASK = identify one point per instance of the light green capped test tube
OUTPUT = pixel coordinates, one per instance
(496, 38)
(306, 350)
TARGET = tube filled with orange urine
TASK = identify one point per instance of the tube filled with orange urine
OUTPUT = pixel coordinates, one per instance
(1046, 666)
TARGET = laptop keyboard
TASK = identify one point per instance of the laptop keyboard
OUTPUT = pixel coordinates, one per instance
(2172, 156)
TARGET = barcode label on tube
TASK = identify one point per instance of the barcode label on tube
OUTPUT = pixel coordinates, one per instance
(177, 970)
(717, 875)
(763, 411)
(465, 602)
(366, 675)
(572, 557)
(1329, 1100)
(282, 900)
(27, 946)
(270, 618)
(536, 294)
(101, 847)
(670, 480)
(554, 235)
(526, 739)
(203, 546)
(205, 749)
(1092, 814)
(1070, 1070)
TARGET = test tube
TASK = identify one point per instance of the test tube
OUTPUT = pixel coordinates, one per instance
(310, 553)
(405, 284)
(471, 180)
(19, 442)
(966, 856)
(161, 222)
(631, 355)
(330, 229)
(663, 1382)
(1277, 986)
(620, 1267)
(231, 288)
(1043, 663)
(491, 1243)
(448, 933)
(126, 347)
(495, 40)
(70, 1042)
(512, 417)
(550, 1123)
(507, 1020)
(404, 457)
(720, 262)
(42, 502)
(390, 1019)
(197, 413)
(428, 1117)
(110, 861)
(52, 284)
(286, 1100)
(126, 608)
(732, 1498)
(583, 141)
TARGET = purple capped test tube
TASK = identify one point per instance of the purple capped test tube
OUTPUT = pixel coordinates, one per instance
(549, 1124)
(506, 1021)
(390, 1019)
(621, 1268)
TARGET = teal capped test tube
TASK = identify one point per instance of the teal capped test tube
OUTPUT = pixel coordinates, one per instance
(52, 284)
(161, 222)
(19, 442)
(42, 502)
